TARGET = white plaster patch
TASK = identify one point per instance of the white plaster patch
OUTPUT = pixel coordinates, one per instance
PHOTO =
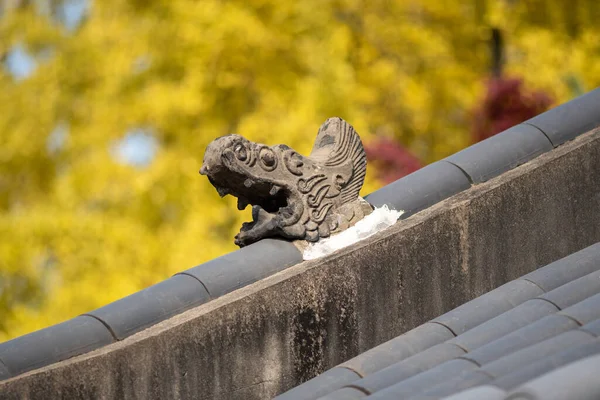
(380, 219)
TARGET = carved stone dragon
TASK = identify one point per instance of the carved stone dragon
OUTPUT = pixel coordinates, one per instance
(292, 196)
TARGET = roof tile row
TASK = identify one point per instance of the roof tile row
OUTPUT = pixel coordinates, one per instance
(500, 153)
(151, 305)
(489, 305)
(500, 339)
(412, 194)
(421, 189)
(61, 341)
(136, 312)
(506, 366)
(231, 271)
(491, 157)
(577, 381)
(569, 120)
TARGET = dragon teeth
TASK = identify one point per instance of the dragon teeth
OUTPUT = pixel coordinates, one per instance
(242, 203)
(274, 190)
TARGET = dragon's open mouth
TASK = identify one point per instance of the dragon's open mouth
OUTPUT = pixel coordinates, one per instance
(273, 202)
(272, 199)
(267, 196)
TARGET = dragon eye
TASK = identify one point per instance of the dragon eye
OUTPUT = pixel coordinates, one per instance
(240, 152)
(268, 159)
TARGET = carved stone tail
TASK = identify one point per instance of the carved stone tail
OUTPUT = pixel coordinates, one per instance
(337, 142)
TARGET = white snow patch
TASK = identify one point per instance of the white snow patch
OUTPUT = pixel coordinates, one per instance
(378, 220)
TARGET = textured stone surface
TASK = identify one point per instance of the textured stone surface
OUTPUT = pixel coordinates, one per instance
(268, 337)
(292, 196)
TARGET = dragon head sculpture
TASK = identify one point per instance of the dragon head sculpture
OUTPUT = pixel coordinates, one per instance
(292, 196)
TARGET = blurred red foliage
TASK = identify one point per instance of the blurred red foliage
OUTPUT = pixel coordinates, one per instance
(391, 160)
(506, 104)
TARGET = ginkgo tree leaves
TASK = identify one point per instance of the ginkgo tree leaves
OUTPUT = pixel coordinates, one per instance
(81, 226)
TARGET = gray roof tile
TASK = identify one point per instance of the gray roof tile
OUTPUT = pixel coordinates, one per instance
(567, 269)
(347, 393)
(571, 119)
(423, 381)
(245, 266)
(399, 348)
(576, 381)
(505, 365)
(151, 305)
(488, 306)
(500, 153)
(547, 364)
(56, 343)
(586, 311)
(327, 382)
(574, 291)
(421, 189)
(593, 327)
(520, 316)
(454, 384)
(547, 327)
(545, 348)
(408, 368)
(482, 392)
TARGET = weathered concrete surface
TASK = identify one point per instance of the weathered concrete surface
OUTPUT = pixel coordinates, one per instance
(267, 337)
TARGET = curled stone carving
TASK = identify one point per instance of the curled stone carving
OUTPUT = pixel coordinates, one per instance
(292, 196)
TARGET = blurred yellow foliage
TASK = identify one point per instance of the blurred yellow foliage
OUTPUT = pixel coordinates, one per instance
(79, 228)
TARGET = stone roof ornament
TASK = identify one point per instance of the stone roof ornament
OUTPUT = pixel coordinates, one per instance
(292, 196)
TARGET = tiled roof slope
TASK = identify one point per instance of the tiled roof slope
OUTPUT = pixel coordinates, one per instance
(200, 284)
(498, 346)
